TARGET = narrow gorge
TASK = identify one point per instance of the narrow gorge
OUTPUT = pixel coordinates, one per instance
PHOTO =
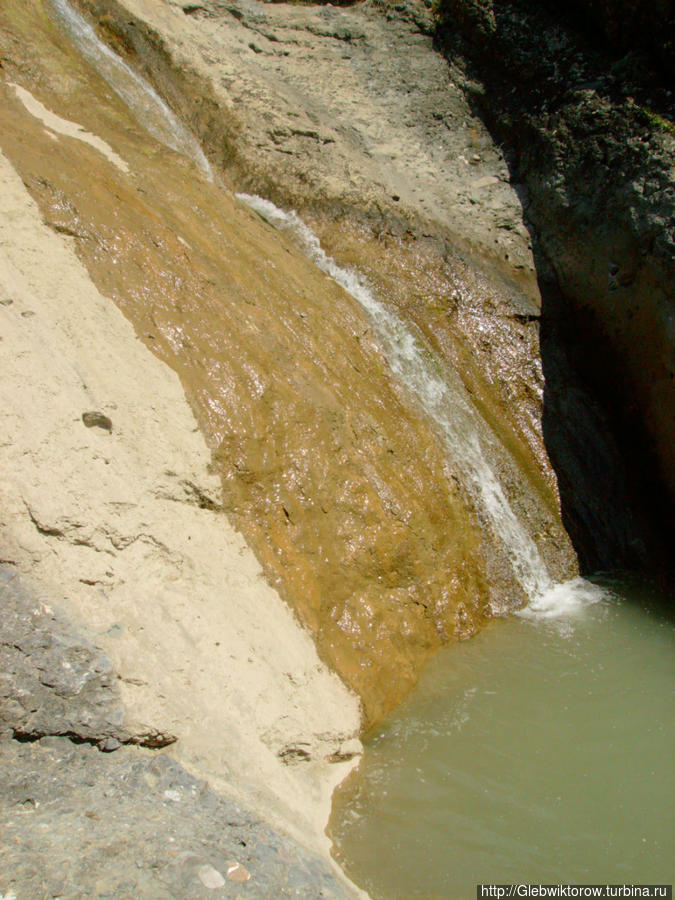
(323, 347)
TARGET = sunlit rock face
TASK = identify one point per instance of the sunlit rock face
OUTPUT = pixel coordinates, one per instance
(328, 465)
(338, 483)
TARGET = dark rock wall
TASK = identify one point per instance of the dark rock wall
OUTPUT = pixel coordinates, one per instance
(589, 130)
(622, 25)
(631, 25)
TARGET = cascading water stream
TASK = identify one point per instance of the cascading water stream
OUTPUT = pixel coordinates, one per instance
(440, 396)
(144, 102)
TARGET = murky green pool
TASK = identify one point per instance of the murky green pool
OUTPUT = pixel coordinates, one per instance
(539, 751)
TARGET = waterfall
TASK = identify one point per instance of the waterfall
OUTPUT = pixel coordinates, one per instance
(440, 395)
(144, 102)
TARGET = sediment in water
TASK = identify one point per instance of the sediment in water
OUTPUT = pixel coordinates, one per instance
(479, 769)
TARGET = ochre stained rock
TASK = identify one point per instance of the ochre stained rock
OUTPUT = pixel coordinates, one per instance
(338, 484)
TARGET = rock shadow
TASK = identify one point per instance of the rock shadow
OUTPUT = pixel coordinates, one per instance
(586, 132)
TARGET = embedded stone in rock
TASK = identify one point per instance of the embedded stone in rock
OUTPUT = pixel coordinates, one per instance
(237, 872)
(153, 739)
(211, 878)
(97, 420)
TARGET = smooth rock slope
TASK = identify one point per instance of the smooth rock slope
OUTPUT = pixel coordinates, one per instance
(121, 530)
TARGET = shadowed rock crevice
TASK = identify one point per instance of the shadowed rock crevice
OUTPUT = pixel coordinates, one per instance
(643, 31)
(106, 744)
(588, 134)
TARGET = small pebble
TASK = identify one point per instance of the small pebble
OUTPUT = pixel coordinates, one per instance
(236, 872)
(96, 420)
(210, 877)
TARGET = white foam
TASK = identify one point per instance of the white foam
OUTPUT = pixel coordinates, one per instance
(563, 601)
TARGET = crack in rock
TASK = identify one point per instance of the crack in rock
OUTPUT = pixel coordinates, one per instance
(154, 740)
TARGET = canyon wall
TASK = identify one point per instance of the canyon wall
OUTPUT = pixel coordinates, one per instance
(587, 124)
(180, 383)
(630, 25)
(338, 481)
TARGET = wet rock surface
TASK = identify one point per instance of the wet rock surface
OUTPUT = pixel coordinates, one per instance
(376, 547)
(391, 180)
(350, 116)
(126, 822)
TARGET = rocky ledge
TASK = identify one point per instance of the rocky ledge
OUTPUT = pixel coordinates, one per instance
(91, 809)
